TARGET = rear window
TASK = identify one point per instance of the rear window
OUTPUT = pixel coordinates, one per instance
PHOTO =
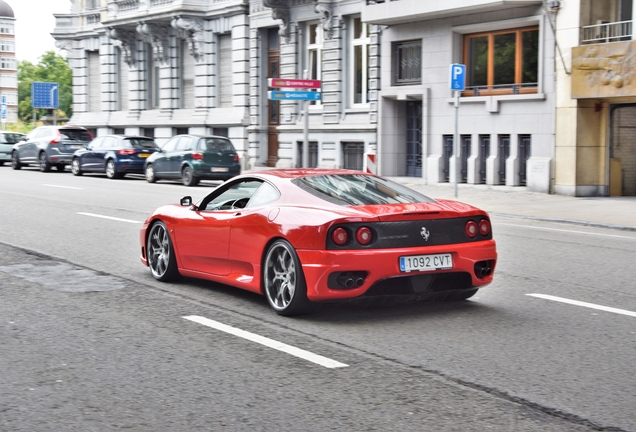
(140, 143)
(75, 135)
(10, 138)
(354, 189)
(215, 144)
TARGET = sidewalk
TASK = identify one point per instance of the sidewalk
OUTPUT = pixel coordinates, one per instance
(606, 212)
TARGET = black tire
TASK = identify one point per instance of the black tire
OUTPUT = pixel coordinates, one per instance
(160, 253)
(45, 165)
(15, 160)
(111, 170)
(76, 167)
(149, 172)
(284, 282)
(1, 163)
(60, 167)
(187, 177)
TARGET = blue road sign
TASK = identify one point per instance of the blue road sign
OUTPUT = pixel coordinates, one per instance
(458, 77)
(45, 95)
(3, 111)
(294, 95)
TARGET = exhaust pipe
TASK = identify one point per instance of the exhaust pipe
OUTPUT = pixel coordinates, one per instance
(359, 282)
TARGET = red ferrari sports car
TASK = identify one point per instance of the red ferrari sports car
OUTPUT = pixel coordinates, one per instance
(302, 236)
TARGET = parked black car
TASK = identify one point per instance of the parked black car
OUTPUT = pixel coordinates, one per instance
(115, 155)
(192, 158)
(50, 146)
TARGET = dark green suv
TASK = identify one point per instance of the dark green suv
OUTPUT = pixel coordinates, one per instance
(192, 158)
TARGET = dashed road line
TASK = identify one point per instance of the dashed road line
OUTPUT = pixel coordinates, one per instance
(63, 187)
(584, 304)
(110, 218)
(271, 343)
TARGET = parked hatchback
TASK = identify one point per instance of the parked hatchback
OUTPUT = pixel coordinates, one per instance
(50, 146)
(7, 139)
(192, 158)
(115, 155)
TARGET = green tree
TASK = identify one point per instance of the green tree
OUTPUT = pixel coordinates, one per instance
(51, 68)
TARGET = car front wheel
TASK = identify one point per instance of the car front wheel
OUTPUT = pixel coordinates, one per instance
(284, 282)
(76, 168)
(45, 165)
(15, 161)
(161, 257)
(150, 174)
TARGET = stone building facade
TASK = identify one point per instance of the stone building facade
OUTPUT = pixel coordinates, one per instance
(8, 65)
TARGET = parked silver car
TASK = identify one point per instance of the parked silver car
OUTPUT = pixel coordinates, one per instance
(7, 139)
(50, 146)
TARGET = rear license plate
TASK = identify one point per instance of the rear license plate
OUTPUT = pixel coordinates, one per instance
(220, 169)
(74, 146)
(144, 155)
(426, 262)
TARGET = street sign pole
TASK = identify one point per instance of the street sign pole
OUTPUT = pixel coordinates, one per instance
(457, 84)
(306, 128)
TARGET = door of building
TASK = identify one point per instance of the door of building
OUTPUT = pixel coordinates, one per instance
(273, 107)
(414, 139)
(623, 150)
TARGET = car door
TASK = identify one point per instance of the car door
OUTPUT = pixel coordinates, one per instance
(182, 152)
(99, 154)
(87, 160)
(29, 151)
(161, 161)
(203, 236)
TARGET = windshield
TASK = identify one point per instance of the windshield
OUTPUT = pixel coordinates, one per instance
(10, 138)
(354, 189)
(141, 143)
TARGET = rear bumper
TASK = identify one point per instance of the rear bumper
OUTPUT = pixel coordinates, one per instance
(383, 275)
(204, 172)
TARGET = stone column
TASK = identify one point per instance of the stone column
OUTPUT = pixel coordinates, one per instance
(332, 71)
(108, 69)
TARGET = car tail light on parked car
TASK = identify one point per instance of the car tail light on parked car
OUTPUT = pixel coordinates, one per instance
(197, 155)
(57, 139)
(364, 236)
(339, 236)
(126, 151)
(236, 158)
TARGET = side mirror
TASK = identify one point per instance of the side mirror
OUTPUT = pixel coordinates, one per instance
(186, 201)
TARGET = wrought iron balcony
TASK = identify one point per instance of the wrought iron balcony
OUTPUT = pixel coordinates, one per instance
(606, 32)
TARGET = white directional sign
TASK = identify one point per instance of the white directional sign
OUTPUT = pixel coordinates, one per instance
(458, 77)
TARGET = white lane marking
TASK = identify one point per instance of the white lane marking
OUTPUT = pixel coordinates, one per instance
(584, 304)
(305, 355)
(569, 231)
(63, 187)
(109, 217)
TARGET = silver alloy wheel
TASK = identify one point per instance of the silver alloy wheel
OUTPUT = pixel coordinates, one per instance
(280, 276)
(75, 167)
(159, 250)
(110, 169)
(150, 174)
(44, 163)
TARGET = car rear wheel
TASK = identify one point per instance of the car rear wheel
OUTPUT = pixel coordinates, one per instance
(15, 161)
(45, 165)
(187, 177)
(150, 174)
(284, 282)
(76, 168)
(161, 257)
(111, 170)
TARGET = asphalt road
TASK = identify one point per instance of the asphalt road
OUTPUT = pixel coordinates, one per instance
(90, 341)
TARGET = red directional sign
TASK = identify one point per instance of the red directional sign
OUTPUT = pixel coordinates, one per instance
(294, 83)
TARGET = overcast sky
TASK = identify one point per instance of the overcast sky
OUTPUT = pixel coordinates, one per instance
(34, 24)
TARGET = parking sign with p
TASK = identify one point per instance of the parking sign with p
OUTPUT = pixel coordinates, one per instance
(457, 77)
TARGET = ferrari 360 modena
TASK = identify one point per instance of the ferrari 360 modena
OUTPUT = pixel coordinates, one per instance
(305, 236)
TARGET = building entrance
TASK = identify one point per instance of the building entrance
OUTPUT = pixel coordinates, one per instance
(623, 150)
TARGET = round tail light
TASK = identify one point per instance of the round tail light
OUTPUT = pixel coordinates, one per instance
(339, 236)
(484, 227)
(471, 229)
(364, 235)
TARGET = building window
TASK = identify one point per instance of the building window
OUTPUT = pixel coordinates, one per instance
(313, 155)
(153, 80)
(447, 153)
(524, 154)
(91, 4)
(7, 28)
(221, 131)
(7, 45)
(7, 63)
(407, 63)
(119, 131)
(353, 156)
(360, 42)
(12, 98)
(464, 153)
(504, 154)
(10, 81)
(180, 131)
(502, 62)
(484, 153)
(314, 53)
(148, 132)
